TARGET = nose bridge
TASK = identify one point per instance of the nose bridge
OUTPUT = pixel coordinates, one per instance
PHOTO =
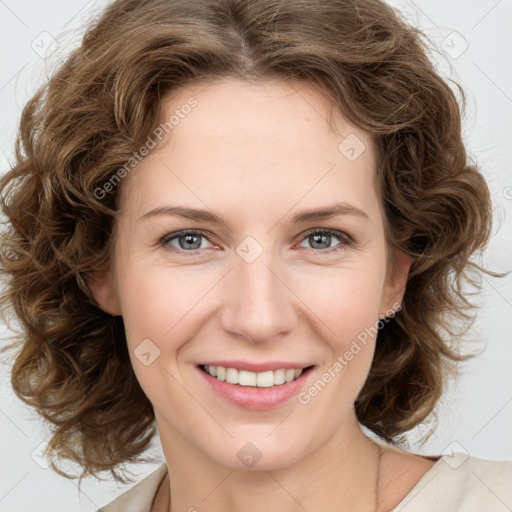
(260, 305)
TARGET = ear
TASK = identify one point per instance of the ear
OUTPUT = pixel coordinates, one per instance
(396, 281)
(102, 288)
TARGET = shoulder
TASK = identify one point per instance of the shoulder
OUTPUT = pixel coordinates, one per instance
(139, 497)
(462, 483)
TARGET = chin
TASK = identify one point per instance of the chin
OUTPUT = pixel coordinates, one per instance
(261, 452)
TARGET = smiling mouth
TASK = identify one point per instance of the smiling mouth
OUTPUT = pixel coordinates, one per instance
(254, 379)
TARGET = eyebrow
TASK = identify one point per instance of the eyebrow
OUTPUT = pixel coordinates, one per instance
(196, 214)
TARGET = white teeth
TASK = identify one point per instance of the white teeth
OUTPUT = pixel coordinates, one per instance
(246, 378)
(265, 379)
(232, 375)
(261, 379)
(279, 377)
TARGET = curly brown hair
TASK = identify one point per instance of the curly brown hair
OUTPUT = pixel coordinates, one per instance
(100, 106)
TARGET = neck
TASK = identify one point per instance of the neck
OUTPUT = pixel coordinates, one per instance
(340, 475)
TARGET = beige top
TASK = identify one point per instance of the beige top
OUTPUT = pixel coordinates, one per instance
(455, 483)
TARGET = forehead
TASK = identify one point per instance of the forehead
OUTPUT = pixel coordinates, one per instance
(252, 112)
(249, 143)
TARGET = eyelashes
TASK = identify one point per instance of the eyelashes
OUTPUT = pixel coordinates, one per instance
(317, 236)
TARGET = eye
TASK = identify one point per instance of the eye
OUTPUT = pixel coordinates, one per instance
(187, 241)
(191, 240)
(319, 238)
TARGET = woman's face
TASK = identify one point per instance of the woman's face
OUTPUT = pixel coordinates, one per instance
(261, 291)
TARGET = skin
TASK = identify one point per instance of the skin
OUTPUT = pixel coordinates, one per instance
(257, 155)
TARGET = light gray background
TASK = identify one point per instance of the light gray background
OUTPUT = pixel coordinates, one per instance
(476, 413)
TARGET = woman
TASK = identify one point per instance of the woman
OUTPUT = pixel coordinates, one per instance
(247, 224)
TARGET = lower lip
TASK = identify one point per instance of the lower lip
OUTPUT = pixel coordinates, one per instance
(251, 397)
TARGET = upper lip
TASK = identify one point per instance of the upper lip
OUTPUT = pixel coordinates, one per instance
(257, 367)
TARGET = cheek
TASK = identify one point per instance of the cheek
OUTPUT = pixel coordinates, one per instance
(158, 320)
(162, 304)
(350, 310)
(346, 300)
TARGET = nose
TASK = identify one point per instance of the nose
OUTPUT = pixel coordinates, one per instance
(259, 304)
